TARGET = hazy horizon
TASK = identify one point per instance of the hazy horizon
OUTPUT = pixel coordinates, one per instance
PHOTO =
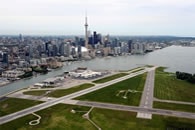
(114, 17)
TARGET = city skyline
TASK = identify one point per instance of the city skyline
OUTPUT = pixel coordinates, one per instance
(124, 17)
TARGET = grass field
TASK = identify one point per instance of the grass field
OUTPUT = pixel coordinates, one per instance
(173, 106)
(109, 78)
(121, 120)
(59, 117)
(63, 92)
(35, 92)
(169, 88)
(109, 94)
(11, 105)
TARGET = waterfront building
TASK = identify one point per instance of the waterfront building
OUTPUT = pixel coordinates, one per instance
(9, 74)
(124, 48)
(130, 45)
(138, 48)
(84, 73)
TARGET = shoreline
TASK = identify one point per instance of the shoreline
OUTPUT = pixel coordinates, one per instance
(2, 96)
(16, 81)
(124, 63)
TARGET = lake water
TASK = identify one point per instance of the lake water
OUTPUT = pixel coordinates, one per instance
(176, 58)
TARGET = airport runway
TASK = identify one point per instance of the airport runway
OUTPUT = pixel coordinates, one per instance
(134, 109)
(50, 103)
(67, 100)
(147, 95)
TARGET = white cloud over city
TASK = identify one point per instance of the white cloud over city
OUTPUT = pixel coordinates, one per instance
(125, 17)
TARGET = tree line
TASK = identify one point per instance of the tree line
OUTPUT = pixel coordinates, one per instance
(186, 76)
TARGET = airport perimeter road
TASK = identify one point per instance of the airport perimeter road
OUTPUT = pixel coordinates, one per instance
(134, 109)
(47, 104)
(147, 95)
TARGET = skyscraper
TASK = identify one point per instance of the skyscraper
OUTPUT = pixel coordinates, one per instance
(86, 33)
(5, 58)
(21, 39)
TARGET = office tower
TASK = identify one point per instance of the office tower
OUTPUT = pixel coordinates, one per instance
(47, 47)
(138, 48)
(67, 49)
(106, 41)
(79, 51)
(95, 38)
(99, 37)
(130, 45)
(21, 39)
(73, 51)
(76, 41)
(55, 50)
(62, 49)
(39, 49)
(5, 58)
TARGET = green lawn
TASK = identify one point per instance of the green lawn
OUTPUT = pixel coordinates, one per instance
(35, 92)
(173, 106)
(59, 117)
(109, 78)
(11, 105)
(122, 120)
(63, 92)
(109, 94)
(169, 88)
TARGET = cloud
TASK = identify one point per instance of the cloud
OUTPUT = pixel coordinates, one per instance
(117, 16)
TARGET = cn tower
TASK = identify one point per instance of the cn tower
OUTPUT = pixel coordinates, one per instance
(86, 32)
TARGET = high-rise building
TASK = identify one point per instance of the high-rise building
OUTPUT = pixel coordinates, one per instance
(55, 50)
(79, 51)
(47, 47)
(5, 58)
(62, 49)
(67, 49)
(130, 45)
(21, 39)
(95, 38)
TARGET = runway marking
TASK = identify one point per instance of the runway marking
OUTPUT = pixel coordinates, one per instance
(146, 102)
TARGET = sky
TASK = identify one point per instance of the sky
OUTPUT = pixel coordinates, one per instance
(114, 17)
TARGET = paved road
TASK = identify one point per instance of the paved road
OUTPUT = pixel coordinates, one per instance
(176, 102)
(42, 106)
(134, 109)
(147, 94)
